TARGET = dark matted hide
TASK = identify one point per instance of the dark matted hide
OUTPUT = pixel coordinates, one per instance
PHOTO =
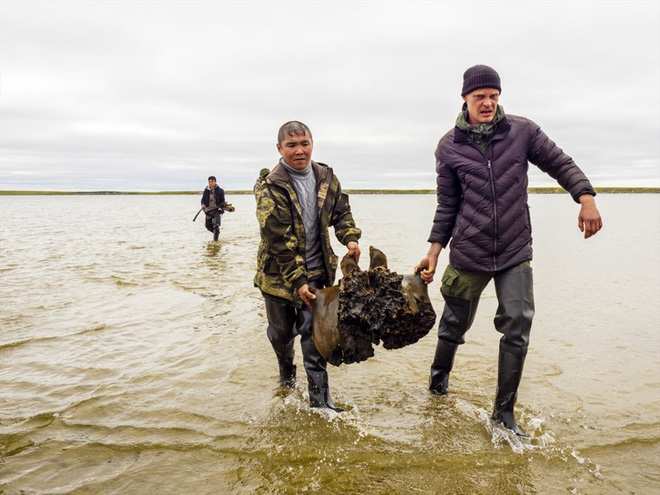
(368, 308)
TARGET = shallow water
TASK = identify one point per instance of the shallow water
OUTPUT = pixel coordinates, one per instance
(134, 360)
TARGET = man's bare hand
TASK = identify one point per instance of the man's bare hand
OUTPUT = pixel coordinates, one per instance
(306, 295)
(589, 220)
(354, 250)
(430, 262)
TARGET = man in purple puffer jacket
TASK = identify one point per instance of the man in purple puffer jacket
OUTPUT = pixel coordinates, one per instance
(482, 207)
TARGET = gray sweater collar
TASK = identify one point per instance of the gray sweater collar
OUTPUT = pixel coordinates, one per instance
(304, 172)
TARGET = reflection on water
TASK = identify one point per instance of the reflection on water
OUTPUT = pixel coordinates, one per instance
(134, 360)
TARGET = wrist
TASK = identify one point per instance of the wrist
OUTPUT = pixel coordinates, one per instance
(586, 199)
(434, 250)
(299, 283)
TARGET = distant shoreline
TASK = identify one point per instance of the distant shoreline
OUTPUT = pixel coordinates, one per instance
(531, 190)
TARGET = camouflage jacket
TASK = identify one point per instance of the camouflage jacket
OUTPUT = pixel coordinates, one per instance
(281, 269)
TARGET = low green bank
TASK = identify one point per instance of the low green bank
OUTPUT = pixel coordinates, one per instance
(532, 190)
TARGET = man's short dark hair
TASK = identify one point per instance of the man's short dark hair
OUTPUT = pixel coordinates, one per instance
(212, 177)
(293, 128)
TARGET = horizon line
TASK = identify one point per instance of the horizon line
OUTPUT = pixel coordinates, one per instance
(532, 190)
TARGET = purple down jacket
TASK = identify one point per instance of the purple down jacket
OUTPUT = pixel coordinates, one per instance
(482, 198)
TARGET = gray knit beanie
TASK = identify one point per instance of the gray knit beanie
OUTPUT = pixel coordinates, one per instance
(480, 76)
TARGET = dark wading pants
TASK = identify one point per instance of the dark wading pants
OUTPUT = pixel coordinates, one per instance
(284, 323)
(461, 290)
(213, 223)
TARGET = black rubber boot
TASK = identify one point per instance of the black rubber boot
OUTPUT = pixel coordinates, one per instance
(443, 362)
(317, 380)
(288, 375)
(509, 373)
(287, 368)
(319, 395)
(216, 234)
(317, 376)
(456, 319)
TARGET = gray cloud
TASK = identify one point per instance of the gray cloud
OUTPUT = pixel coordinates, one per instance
(158, 95)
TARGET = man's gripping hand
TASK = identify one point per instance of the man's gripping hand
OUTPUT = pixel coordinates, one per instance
(430, 261)
(354, 250)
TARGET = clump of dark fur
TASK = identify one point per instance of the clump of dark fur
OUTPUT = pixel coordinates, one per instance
(374, 308)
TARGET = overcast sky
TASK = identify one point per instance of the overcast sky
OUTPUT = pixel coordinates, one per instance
(156, 96)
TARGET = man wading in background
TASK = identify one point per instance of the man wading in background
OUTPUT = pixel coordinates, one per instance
(296, 204)
(481, 167)
(213, 201)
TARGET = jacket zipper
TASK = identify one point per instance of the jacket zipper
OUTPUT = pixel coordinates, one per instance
(495, 220)
(492, 190)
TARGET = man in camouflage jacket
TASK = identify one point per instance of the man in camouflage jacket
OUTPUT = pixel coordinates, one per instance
(296, 204)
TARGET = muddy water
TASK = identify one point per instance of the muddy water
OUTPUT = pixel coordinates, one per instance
(134, 360)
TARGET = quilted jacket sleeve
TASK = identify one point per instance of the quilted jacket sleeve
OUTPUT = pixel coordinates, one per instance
(550, 158)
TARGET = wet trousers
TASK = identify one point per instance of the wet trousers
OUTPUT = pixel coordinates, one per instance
(213, 223)
(461, 290)
(285, 321)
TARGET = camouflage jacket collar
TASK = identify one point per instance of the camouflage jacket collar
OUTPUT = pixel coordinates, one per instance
(280, 177)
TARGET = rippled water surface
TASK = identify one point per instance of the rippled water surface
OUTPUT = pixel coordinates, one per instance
(134, 360)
